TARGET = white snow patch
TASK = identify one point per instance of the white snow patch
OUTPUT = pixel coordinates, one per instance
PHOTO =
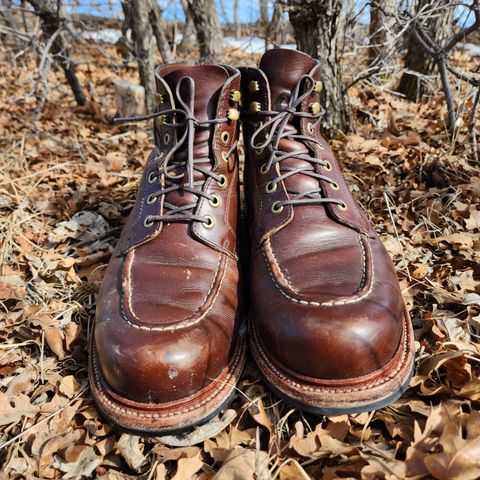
(107, 35)
(246, 44)
(471, 48)
(250, 44)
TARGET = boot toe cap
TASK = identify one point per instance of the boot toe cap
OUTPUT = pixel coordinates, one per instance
(330, 339)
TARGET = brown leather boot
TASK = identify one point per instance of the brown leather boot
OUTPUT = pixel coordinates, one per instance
(168, 346)
(329, 328)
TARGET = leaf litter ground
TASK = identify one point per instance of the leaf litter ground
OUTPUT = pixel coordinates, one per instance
(68, 179)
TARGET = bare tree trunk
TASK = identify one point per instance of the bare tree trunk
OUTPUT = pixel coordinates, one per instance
(345, 22)
(316, 23)
(189, 35)
(382, 31)
(236, 23)
(438, 22)
(159, 29)
(52, 24)
(6, 12)
(264, 12)
(276, 29)
(209, 32)
(143, 34)
(145, 20)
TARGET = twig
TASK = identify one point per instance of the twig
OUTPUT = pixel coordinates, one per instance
(439, 55)
(472, 122)
(46, 134)
(387, 201)
(46, 419)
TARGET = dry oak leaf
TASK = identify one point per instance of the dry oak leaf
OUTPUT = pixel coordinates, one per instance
(129, 446)
(319, 443)
(460, 459)
(191, 455)
(13, 409)
(473, 221)
(356, 143)
(187, 467)
(83, 466)
(292, 470)
(85, 226)
(220, 446)
(244, 464)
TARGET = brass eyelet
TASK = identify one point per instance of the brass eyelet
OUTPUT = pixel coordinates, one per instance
(209, 221)
(310, 127)
(255, 107)
(258, 151)
(235, 96)
(151, 199)
(152, 177)
(233, 114)
(318, 86)
(264, 168)
(327, 166)
(225, 137)
(214, 201)
(334, 185)
(148, 222)
(253, 86)
(225, 157)
(223, 181)
(342, 206)
(270, 187)
(276, 208)
(314, 108)
(166, 138)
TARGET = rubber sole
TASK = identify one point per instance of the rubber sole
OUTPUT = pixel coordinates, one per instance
(354, 395)
(167, 418)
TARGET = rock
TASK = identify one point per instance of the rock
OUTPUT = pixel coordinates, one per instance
(130, 99)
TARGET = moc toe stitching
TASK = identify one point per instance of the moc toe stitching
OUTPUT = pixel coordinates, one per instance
(195, 317)
(359, 295)
(370, 324)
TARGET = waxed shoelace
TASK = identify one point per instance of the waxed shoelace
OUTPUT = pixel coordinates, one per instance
(173, 182)
(274, 128)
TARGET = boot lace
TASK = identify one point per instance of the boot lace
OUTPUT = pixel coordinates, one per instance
(177, 174)
(275, 130)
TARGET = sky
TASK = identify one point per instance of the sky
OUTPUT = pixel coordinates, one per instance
(248, 9)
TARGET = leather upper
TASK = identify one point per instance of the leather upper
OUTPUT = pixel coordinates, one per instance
(324, 291)
(167, 313)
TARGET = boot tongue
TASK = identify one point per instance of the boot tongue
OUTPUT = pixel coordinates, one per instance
(208, 79)
(283, 68)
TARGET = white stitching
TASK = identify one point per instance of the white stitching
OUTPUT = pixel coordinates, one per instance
(267, 243)
(364, 264)
(183, 323)
(332, 303)
(223, 385)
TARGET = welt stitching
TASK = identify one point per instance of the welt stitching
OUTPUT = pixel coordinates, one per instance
(187, 322)
(353, 299)
(130, 411)
(274, 370)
